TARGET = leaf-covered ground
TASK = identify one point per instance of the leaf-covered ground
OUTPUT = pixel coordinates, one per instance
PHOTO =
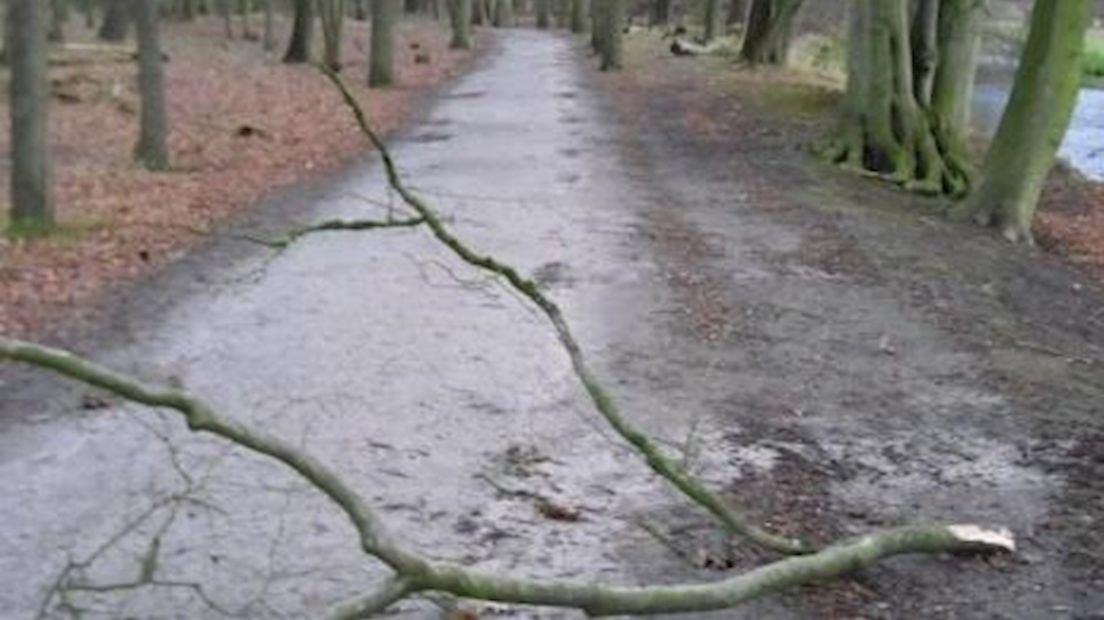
(242, 124)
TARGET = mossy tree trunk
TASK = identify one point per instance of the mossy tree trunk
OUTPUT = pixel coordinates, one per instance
(151, 150)
(925, 48)
(613, 21)
(302, 32)
(31, 196)
(959, 46)
(737, 13)
(385, 18)
(769, 31)
(886, 130)
(1042, 101)
(460, 16)
(332, 15)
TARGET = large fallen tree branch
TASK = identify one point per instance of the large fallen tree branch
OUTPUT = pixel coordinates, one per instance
(415, 574)
(732, 520)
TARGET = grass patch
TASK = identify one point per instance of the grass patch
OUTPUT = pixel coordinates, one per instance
(1093, 66)
(64, 231)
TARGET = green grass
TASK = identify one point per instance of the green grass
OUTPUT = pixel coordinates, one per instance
(1094, 54)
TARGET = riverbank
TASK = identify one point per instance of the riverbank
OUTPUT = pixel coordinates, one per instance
(242, 125)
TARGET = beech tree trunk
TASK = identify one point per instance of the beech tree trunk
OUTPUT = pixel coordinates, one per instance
(332, 15)
(959, 42)
(116, 21)
(543, 14)
(613, 20)
(925, 51)
(712, 20)
(504, 14)
(769, 31)
(302, 32)
(150, 151)
(381, 68)
(578, 16)
(1035, 121)
(460, 16)
(31, 195)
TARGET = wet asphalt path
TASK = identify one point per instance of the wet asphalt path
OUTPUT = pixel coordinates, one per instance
(416, 378)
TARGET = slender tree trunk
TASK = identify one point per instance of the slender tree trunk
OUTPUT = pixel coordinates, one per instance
(244, 10)
(31, 195)
(478, 13)
(302, 32)
(151, 150)
(660, 13)
(1035, 121)
(711, 20)
(543, 14)
(461, 19)
(613, 21)
(737, 13)
(116, 21)
(385, 15)
(59, 14)
(226, 12)
(579, 16)
(269, 26)
(332, 15)
(504, 14)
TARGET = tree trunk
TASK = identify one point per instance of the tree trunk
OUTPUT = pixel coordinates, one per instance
(150, 151)
(461, 19)
(613, 21)
(1035, 121)
(661, 13)
(578, 16)
(116, 21)
(226, 12)
(302, 32)
(711, 20)
(737, 13)
(332, 15)
(925, 51)
(385, 15)
(543, 14)
(885, 129)
(269, 26)
(504, 14)
(244, 10)
(959, 41)
(478, 13)
(31, 195)
(769, 31)
(59, 14)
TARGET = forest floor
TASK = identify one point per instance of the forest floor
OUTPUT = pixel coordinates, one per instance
(827, 351)
(242, 125)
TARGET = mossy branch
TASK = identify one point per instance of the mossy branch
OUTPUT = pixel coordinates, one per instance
(731, 519)
(414, 574)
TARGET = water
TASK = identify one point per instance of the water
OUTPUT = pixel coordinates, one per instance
(1083, 146)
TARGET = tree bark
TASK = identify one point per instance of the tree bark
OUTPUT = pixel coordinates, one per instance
(885, 129)
(578, 16)
(959, 47)
(769, 31)
(613, 20)
(59, 14)
(925, 49)
(31, 191)
(460, 16)
(302, 32)
(116, 21)
(332, 15)
(737, 13)
(711, 20)
(543, 14)
(269, 26)
(381, 68)
(151, 150)
(660, 14)
(1042, 101)
(504, 14)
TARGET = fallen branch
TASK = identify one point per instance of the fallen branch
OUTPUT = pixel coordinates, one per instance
(732, 520)
(415, 574)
